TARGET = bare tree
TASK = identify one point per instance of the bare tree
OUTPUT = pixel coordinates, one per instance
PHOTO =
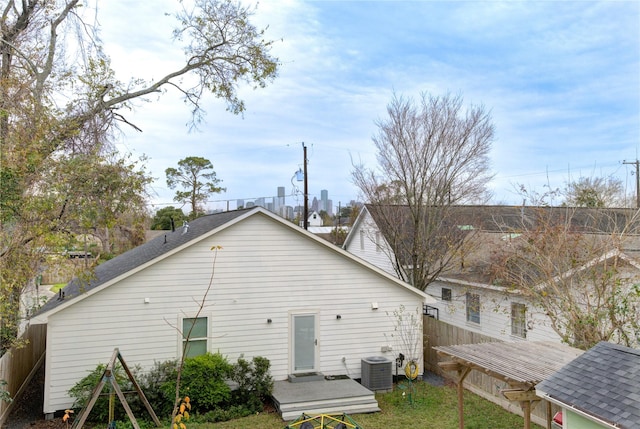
(572, 263)
(187, 336)
(432, 155)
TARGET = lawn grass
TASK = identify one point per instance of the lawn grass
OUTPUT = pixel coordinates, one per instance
(433, 407)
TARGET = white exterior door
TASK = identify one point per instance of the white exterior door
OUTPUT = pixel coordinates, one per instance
(304, 342)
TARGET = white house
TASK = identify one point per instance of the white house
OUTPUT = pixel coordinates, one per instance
(465, 294)
(366, 241)
(314, 219)
(269, 289)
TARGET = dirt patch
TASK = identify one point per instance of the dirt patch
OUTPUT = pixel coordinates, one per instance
(37, 424)
(27, 410)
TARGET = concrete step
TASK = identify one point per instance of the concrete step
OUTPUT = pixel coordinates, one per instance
(303, 378)
(323, 397)
(337, 402)
(368, 407)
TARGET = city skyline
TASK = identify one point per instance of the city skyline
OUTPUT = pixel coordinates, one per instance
(278, 204)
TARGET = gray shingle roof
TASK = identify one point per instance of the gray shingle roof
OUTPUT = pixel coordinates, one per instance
(492, 225)
(515, 218)
(142, 254)
(604, 382)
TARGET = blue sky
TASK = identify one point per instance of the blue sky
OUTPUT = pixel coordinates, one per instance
(561, 78)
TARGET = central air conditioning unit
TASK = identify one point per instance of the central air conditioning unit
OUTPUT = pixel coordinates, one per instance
(376, 374)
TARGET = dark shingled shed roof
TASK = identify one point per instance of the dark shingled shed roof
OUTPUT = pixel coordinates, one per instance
(603, 382)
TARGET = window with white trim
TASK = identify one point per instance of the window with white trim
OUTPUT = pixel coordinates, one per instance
(446, 294)
(361, 239)
(473, 307)
(195, 336)
(518, 320)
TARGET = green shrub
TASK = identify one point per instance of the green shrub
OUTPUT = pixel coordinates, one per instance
(159, 387)
(83, 390)
(4, 394)
(203, 380)
(254, 382)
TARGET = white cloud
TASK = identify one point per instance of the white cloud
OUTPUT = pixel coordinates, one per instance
(561, 78)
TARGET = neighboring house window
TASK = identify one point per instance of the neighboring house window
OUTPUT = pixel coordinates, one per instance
(194, 336)
(519, 320)
(361, 239)
(377, 241)
(446, 294)
(473, 307)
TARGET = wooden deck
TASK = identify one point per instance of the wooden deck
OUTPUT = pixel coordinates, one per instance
(322, 397)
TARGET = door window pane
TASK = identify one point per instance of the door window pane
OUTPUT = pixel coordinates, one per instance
(304, 342)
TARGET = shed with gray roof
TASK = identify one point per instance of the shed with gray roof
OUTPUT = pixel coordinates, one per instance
(598, 389)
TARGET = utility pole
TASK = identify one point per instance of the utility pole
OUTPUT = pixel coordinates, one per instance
(637, 164)
(306, 189)
(337, 225)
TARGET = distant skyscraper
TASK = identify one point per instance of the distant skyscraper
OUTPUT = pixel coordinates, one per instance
(288, 212)
(324, 199)
(280, 200)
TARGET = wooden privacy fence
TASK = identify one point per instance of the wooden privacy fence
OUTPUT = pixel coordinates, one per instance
(438, 333)
(18, 365)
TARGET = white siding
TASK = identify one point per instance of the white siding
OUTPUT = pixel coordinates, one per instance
(263, 271)
(495, 313)
(380, 254)
(495, 308)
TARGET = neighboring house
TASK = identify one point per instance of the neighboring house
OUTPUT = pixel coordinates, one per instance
(489, 310)
(366, 241)
(599, 389)
(276, 291)
(314, 219)
(332, 234)
(464, 291)
(468, 299)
